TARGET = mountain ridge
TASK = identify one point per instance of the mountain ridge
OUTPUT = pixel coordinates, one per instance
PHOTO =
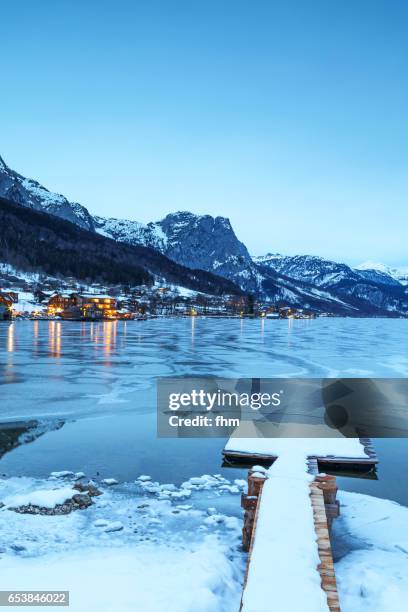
(209, 244)
(35, 240)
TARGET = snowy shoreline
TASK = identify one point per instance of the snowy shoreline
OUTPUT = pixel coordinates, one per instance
(179, 548)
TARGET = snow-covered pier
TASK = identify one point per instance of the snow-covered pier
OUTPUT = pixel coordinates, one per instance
(289, 509)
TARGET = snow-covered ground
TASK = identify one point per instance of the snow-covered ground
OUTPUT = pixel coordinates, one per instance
(157, 547)
(374, 574)
(177, 549)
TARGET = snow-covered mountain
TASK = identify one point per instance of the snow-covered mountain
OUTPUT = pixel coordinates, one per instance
(398, 274)
(323, 272)
(30, 193)
(364, 289)
(197, 241)
(210, 244)
(131, 232)
(308, 268)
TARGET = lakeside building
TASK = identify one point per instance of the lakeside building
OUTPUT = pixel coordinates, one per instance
(58, 303)
(83, 306)
(6, 307)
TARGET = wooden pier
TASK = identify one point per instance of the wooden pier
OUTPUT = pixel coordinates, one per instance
(325, 508)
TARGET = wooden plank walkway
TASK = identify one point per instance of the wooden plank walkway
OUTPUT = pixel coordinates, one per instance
(323, 509)
(323, 491)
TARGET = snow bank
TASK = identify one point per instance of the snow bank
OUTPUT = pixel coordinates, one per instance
(136, 549)
(173, 556)
(151, 577)
(374, 574)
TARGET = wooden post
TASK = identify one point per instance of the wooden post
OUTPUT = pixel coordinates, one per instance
(249, 503)
(327, 484)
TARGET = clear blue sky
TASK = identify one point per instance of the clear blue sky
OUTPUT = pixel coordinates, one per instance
(288, 117)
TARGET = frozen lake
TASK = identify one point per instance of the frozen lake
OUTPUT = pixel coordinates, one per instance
(90, 387)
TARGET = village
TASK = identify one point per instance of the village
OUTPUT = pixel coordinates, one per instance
(70, 302)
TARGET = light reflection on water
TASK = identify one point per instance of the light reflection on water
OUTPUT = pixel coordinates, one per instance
(10, 338)
(84, 370)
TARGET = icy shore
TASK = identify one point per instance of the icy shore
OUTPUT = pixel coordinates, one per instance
(157, 546)
(177, 549)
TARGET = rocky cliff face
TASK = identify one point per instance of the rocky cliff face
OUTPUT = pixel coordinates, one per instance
(209, 243)
(201, 242)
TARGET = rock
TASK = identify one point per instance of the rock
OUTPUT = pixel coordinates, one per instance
(143, 506)
(90, 489)
(100, 523)
(82, 500)
(62, 474)
(110, 481)
(93, 491)
(77, 502)
(144, 478)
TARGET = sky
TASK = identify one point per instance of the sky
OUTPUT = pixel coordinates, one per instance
(289, 118)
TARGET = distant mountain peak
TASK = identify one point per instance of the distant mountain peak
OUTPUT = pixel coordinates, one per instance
(188, 216)
(399, 274)
(371, 265)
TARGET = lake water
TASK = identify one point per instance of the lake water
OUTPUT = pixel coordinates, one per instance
(90, 389)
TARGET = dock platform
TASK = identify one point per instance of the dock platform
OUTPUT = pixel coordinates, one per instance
(365, 462)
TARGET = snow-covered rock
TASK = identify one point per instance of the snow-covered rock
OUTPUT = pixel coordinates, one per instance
(43, 498)
(110, 481)
(62, 474)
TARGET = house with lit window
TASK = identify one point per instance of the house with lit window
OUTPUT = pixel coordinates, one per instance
(6, 307)
(59, 302)
(97, 306)
(86, 307)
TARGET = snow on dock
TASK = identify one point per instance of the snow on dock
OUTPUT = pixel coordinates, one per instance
(349, 452)
(288, 513)
(284, 533)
